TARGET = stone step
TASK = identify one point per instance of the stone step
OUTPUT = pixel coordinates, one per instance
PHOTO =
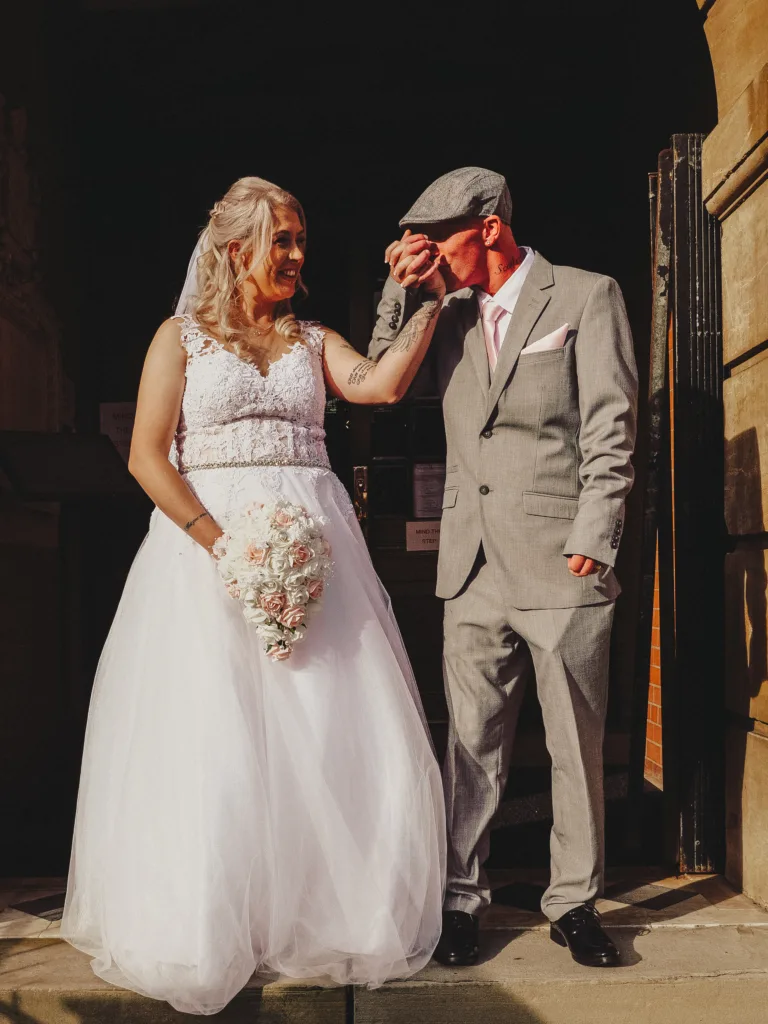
(715, 975)
(695, 952)
(46, 981)
(702, 975)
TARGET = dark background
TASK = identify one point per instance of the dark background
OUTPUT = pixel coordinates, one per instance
(356, 110)
(143, 113)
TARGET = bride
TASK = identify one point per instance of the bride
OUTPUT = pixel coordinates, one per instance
(238, 814)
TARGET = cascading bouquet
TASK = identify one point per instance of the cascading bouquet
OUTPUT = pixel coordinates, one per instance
(275, 560)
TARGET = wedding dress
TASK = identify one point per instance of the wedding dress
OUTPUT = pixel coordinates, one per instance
(238, 815)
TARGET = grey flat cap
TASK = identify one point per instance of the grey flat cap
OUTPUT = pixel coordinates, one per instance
(466, 192)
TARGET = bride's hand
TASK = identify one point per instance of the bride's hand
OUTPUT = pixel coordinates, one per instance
(209, 544)
(206, 532)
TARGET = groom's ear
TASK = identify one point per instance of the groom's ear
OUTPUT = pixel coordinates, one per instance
(491, 231)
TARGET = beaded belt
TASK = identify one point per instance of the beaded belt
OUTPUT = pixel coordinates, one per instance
(273, 460)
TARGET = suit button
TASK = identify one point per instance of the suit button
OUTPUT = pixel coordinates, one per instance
(485, 489)
(393, 324)
(398, 307)
(487, 434)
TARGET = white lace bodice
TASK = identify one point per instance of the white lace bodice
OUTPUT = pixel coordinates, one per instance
(232, 415)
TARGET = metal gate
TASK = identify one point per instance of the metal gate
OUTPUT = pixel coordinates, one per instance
(684, 516)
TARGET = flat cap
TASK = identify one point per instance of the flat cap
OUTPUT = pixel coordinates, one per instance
(466, 192)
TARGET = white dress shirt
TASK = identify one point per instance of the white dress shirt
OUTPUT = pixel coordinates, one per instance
(495, 327)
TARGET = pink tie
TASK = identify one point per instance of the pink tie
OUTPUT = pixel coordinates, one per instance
(491, 311)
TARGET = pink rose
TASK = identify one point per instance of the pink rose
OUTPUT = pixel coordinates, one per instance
(278, 653)
(282, 518)
(273, 604)
(315, 588)
(233, 590)
(300, 554)
(293, 616)
(257, 554)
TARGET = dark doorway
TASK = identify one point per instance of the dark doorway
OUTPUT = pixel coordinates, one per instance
(356, 113)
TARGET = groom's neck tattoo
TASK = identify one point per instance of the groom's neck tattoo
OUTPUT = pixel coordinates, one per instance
(416, 327)
(513, 266)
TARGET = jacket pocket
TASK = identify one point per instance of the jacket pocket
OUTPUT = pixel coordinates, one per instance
(554, 506)
(449, 497)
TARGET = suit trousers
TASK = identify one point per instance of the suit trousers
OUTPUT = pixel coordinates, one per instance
(491, 650)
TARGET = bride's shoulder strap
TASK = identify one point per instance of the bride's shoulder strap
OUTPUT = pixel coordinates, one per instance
(313, 334)
(193, 338)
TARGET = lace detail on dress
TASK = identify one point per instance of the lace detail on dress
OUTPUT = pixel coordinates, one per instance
(232, 414)
(193, 339)
(228, 491)
(313, 334)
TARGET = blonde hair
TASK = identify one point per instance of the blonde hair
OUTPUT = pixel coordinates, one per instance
(246, 215)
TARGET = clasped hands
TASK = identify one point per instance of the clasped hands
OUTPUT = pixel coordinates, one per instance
(414, 261)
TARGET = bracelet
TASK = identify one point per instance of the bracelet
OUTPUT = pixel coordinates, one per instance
(192, 522)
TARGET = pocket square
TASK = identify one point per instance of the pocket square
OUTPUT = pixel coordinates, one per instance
(547, 344)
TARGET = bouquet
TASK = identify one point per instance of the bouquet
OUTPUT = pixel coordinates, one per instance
(275, 560)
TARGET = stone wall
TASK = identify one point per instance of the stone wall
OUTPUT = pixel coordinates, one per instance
(735, 172)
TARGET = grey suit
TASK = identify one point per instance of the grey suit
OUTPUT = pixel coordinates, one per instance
(538, 467)
(550, 435)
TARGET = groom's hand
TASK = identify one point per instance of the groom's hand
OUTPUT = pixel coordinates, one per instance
(580, 565)
(412, 260)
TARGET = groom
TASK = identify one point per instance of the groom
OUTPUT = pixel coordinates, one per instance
(537, 375)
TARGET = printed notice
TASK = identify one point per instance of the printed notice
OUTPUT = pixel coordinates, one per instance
(428, 486)
(117, 423)
(422, 536)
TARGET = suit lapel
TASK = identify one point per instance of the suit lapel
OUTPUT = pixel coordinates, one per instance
(533, 300)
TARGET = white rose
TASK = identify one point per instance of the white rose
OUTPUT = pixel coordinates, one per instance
(279, 561)
(271, 634)
(255, 615)
(296, 578)
(269, 586)
(315, 567)
(298, 596)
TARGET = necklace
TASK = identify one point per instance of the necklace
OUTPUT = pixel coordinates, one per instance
(261, 332)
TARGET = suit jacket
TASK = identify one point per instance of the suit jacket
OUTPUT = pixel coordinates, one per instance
(538, 457)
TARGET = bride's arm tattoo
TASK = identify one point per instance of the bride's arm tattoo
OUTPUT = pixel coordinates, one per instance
(360, 371)
(416, 326)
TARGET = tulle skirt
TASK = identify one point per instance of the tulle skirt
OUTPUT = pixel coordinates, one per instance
(237, 815)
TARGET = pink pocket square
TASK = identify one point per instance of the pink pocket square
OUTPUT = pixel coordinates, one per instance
(547, 344)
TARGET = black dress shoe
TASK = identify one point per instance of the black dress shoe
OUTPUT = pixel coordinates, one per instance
(581, 932)
(458, 945)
